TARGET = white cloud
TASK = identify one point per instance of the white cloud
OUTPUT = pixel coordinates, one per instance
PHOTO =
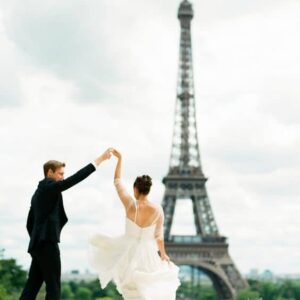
(9, 83)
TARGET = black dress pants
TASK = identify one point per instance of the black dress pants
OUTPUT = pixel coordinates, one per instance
(45, 267)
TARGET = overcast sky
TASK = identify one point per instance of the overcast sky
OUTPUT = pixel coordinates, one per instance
(79, 76)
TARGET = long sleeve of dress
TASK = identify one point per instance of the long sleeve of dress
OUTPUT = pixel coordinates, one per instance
(159, 228)
(124, 196)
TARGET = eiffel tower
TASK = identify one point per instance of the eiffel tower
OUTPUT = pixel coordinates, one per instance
(207, 250)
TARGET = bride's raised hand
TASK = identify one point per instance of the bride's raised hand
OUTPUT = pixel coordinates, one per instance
(107, 154)
(116, 153)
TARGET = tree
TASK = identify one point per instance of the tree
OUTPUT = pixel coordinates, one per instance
(83, 294)
(3, 293)
(289, 290)
(247, 294)
(268, 290)
(12, 276)
(66, 292)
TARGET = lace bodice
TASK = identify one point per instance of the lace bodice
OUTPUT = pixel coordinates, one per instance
(132, 230)
(144, 220)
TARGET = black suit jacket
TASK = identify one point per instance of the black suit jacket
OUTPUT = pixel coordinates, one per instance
(47, 216)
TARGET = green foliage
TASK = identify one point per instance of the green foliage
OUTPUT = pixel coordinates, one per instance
(12, 280)
(83, 293)
(88, 291)
(289, 290)
(11, 275)
(3, 293)
(188, 291)
(285, 290)
(66, 292)
(247, 294)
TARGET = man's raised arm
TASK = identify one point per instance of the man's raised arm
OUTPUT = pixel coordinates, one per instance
(80, 175)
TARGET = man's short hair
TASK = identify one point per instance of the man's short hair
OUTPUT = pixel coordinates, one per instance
(52, 165)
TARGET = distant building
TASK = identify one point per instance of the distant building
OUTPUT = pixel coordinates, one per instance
(77, 276)
(293, 276)
(253, 274)
(268, 275)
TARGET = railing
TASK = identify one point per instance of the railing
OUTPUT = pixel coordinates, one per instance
(195, 239)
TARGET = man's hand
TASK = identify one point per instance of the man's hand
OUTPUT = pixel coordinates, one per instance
(104, 156)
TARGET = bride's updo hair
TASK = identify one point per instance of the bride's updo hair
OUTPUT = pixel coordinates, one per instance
(143, 184)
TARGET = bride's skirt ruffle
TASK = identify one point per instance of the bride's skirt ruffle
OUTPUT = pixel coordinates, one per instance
(134, 266)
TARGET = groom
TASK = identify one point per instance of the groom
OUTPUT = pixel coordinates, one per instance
(45, 221)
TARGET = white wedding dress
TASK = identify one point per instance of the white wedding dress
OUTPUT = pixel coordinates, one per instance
(132, 260)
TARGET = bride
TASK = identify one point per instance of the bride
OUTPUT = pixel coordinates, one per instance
(132, 260)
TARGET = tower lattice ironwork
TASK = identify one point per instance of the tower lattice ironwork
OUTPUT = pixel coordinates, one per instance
(207, 250)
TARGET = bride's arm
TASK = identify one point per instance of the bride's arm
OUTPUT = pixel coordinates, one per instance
(162, 251)
(159, 235)
(122, 192)
(119, 164)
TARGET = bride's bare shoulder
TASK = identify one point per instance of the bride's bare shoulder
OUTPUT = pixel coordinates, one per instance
(156, 207)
